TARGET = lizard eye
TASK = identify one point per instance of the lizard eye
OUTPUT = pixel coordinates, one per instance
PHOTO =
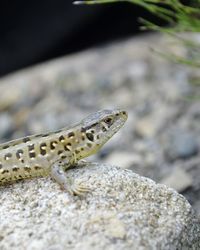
(108, 120)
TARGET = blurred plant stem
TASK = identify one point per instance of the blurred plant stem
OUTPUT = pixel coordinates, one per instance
(183, 21)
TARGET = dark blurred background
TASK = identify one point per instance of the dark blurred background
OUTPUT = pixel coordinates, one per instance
(35, 31)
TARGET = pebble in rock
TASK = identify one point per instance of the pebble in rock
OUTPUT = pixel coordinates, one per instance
(6, 125)
(178, 179)
(124, 159)
(180, 144)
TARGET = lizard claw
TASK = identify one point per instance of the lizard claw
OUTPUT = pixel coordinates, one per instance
(78, 188)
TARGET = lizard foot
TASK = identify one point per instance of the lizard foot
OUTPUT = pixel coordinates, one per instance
(78, 188)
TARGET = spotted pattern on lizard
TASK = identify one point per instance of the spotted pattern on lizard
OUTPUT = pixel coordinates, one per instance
(53, 153)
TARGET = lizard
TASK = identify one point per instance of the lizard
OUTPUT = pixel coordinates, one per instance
(51, 154)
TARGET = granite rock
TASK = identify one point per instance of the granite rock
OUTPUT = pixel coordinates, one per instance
(123, 211)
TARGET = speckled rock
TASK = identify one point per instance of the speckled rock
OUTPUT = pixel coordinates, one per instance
(123, 211)
(178, 179)
(181, 144)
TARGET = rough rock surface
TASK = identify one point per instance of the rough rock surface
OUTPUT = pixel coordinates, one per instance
(123, 211)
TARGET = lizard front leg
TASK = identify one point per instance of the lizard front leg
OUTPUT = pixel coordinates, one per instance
(74, 187)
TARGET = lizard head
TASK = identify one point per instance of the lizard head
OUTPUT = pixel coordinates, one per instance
(99, 127)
